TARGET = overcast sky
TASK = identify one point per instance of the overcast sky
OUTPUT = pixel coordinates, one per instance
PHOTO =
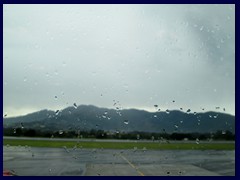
(139, 55)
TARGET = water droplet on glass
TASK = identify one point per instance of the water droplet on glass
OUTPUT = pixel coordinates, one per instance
(152, 138)
(55, 97)
(210, 116)
(223, 132)
(181, 109)
(167, 111)
(201, 28)
(105, 112)
(57, 112)
(155, 116)
(134, 149)
(138, 136)
(60, 132)
(5, 115)
(29, 148)
(155, 105)
(65, 147)
(224, 109)
(197, 141)
(176, 126)
(75, 105)
(188, 111)
(96, 126)
(144, 149)
(173, 101)
(126, 122)
(195, 113)
(181, 122)
(42, 126)
(195, 25)
(24, 79)
(64, 64)
(32, 154)
(22, 126)
(14, 131)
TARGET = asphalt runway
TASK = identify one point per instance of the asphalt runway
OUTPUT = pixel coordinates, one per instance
(29, 161)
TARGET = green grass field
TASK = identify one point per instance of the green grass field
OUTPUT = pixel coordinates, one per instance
(121, 145)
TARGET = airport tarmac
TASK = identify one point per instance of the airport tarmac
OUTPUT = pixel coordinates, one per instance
(31, 161)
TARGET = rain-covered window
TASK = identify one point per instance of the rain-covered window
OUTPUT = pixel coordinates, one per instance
(136, 90)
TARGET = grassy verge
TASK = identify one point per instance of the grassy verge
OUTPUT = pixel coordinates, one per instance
(120, 145)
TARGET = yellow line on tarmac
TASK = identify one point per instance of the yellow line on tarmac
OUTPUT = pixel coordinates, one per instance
(134, 167)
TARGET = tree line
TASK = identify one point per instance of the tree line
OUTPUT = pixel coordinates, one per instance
(100, 134)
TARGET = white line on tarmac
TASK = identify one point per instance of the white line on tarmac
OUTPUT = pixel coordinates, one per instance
(131, 164)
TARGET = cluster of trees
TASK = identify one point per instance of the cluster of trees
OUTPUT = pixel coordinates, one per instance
(100, 134)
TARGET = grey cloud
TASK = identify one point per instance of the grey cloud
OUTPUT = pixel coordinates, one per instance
(138, 54)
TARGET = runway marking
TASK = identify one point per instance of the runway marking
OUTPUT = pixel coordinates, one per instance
(131, 164)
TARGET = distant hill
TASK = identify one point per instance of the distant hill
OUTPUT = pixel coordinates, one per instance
(86, 117)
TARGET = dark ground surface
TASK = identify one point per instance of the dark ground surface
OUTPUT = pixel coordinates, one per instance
(27, 161)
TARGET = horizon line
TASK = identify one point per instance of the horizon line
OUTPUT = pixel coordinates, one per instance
(121, 109)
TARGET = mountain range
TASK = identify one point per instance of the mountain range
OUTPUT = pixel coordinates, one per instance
(87, 117)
